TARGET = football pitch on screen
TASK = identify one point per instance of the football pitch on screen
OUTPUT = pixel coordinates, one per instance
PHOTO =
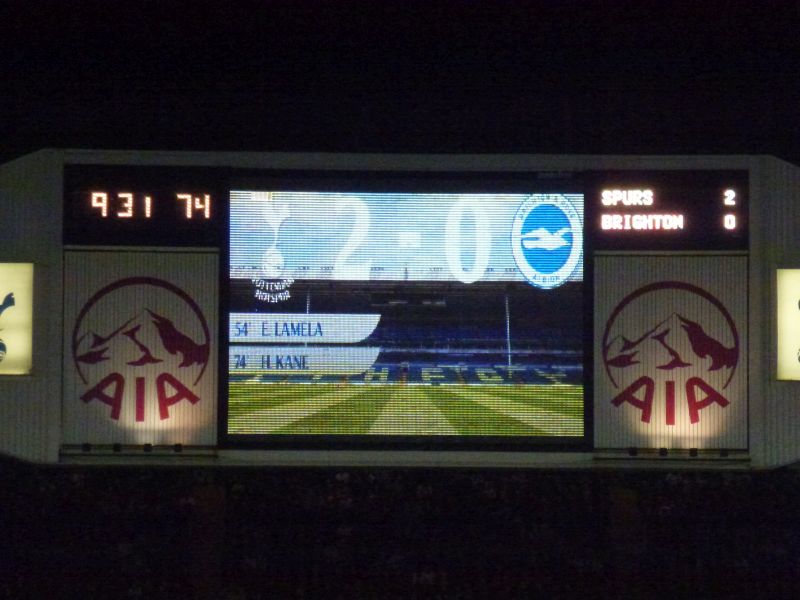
(256, 408)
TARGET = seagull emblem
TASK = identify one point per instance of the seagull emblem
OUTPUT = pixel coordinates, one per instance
(541, 239)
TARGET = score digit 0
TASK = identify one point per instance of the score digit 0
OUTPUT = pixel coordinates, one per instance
(196, 203)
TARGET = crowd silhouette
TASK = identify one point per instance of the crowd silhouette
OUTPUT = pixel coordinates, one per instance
(240, 533)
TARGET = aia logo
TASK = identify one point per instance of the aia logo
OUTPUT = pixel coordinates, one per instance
(140, 342)
(673, 345)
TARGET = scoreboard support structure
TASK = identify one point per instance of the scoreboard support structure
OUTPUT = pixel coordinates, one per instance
(399, 310)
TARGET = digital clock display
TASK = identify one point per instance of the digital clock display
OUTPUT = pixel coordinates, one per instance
(145, 206)
(127, 205)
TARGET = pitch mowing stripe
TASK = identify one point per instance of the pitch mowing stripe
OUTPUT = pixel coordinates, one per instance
(555, 422)
(471, 418)
(406, 410)
(270, 420)
(549, 422)
(564, 399)
(411, 412)
(261, 401)
(246, 397)
(352, 416)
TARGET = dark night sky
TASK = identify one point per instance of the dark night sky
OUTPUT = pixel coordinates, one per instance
(491, 76)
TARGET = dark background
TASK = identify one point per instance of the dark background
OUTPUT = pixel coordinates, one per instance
(540, 77)
(490, 76)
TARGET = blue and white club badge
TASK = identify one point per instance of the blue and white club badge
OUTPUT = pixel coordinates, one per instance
(547, 240)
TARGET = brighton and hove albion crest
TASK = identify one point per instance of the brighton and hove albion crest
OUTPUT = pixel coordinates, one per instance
(141, 343)
(547, 240)
(670, 349)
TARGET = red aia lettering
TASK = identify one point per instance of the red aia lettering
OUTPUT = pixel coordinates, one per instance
(111, 388)
(645, 404)
(140, 398)
(181, 393)
(114, 400)
(696, 406)
(670, 389)
(629, 395)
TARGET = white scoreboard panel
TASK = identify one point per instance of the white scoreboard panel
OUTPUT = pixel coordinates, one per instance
(438, 310)
(303, 305)
(140, 340)
(671, 360)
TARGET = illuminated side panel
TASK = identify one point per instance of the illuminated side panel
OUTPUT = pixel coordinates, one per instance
(670, 352)
(16, 318)
(788, 317)
(140, 347)
(368, 317)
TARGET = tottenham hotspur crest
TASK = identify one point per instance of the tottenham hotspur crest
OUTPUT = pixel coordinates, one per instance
(8, 302)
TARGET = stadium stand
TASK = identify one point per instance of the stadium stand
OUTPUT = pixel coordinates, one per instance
(138, 532)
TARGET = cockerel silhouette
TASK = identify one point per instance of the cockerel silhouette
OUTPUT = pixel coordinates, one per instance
(8, 302)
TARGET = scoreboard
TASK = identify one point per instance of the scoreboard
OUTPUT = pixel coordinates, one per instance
(455, 310)
(669, 210)
(663, 210)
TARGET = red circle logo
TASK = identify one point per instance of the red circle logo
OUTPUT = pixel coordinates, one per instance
(140, 338)
(671, 341)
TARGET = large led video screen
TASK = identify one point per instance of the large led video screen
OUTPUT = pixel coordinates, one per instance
(400, 316)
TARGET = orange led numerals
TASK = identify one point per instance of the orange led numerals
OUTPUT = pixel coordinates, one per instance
(196, 206)
(122, 205)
